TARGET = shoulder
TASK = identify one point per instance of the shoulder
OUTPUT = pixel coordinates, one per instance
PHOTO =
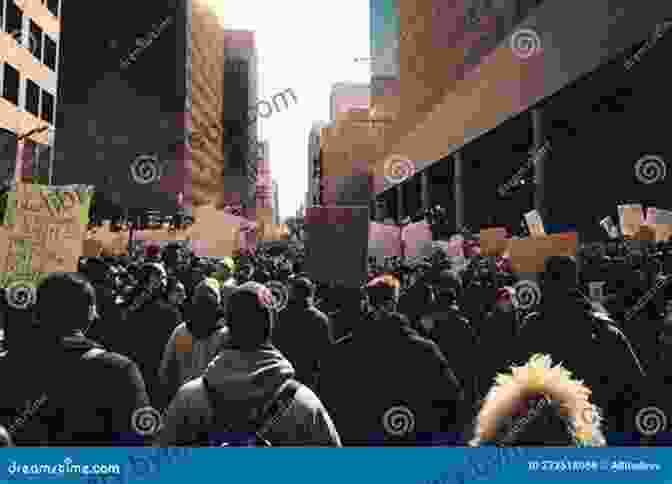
(307, 399)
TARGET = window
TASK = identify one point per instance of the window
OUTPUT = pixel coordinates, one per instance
(47, 107)
(10, 88)
(49, 52)
(32, 98)
(52, 5)
(36, 40)
(14, 18)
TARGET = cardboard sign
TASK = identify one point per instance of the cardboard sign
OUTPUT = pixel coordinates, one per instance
(45, 230)
(528, 256)
(493, 241)
(535, 224)
(337, 244)
(631, 217)
(661, 223)
(384, 241)
(417, 239)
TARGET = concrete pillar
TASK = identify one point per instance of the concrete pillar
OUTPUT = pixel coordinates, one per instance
(424, 189)
(459, 190)
(400, 202)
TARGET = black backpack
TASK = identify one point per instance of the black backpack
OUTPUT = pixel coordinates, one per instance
(252, 432)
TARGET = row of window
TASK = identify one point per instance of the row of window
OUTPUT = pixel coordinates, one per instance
(39, 43)
(38, 102)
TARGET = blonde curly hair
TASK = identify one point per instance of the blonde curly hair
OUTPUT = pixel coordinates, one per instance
(570, 399)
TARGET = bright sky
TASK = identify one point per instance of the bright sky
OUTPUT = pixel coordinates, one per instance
(306, 46)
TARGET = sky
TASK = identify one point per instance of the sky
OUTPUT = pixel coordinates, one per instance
(307, 46)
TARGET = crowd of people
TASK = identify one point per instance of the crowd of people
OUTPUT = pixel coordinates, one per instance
(204, 353)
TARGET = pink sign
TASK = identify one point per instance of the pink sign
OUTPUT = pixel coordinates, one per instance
(384, 240)
(417, 240)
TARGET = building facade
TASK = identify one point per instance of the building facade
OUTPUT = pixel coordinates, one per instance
(313, 195)
(143, 120)
(276, 204)
(241, 133)
(30, 49)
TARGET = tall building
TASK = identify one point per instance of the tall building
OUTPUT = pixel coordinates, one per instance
(30, 45)
(346, 96)
(240, 116)
(264, 187)
(314, 163)
(141, 107)
(276, 204)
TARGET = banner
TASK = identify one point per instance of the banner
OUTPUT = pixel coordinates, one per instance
(631, 217)
(661, 222)
(337, 244)
(417, 240)
(384, 241)
(493, 241)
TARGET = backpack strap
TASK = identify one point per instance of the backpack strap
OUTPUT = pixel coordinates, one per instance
(275, 409)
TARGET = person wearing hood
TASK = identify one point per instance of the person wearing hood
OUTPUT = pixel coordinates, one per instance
(538, 404)
(303, 334)
(224, 271)
(587, 343)
(245, 377)
(196, 342)
(387, 385)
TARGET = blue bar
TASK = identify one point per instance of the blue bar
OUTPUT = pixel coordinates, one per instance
(559, 228)
(347, 465)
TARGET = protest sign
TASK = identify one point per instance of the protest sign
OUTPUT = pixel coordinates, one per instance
(417, 240)
(45, 227)
(493, 241)
(535, 224)
(337, 244)
(384, 241)
(528, 256)
(661, 223)
(631, 217)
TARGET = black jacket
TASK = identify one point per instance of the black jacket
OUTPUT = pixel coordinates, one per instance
(75, 402)
(385, 372)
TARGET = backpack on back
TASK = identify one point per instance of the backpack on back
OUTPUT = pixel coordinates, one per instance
(251, 433)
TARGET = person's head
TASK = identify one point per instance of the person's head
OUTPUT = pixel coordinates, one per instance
(5, 438)
(302, 290)
(448, 287)
(504, 299)
(153, 253)
(250, 315)
(176, 291)
(538, 404)
(153, 276)
(560, 276)
(383, 292)
(207, 294)
(172, 255)
(66, 302)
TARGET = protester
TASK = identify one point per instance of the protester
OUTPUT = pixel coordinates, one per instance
(87, 395)
(386, 385)
(241, 380)
(303, 334)
(195, 343)
(538, 404)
